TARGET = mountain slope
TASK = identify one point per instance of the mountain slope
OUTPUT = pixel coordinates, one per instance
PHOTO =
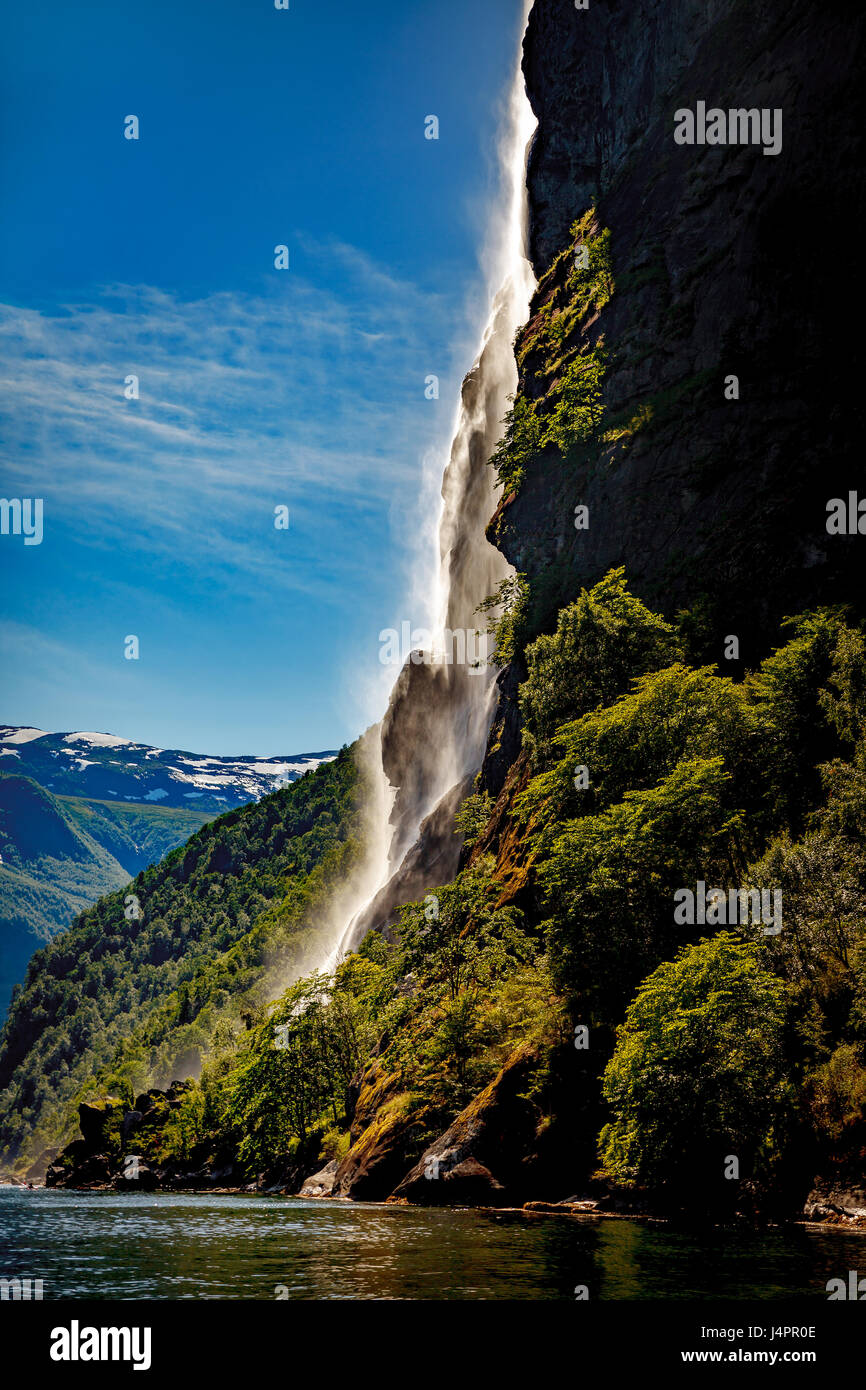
(251, 876)
(107, 768)
(59, 854)
(107, 808)
(549, 1007)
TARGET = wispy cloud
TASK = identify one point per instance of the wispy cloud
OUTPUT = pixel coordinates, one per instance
(291, 395)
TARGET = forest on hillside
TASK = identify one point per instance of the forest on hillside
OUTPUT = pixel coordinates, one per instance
(649, 1050)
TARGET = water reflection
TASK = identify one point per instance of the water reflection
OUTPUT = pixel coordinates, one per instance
(181, 1246)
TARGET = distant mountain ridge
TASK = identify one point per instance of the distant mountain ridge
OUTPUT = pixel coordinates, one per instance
(108, 768)
(82, 813)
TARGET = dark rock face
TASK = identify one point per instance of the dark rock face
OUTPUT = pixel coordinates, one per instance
(465, 1184)
(467, 1164)
(596, 80)
(726, 261)
(500, 1150)
(385, 1139)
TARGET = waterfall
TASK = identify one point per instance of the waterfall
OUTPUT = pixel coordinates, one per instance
(420, 760)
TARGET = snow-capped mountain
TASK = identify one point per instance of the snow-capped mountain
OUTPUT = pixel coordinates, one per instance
(106, 768)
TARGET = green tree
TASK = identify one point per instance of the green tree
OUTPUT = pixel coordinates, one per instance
(699, 1071)
(602, 642)
(609, 880)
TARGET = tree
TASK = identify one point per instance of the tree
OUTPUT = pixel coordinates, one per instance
(602, 641)
(699, 1072)
(459, 939)
(608, 884)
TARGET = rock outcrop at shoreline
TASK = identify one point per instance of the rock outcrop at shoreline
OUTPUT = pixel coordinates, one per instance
(833, 1203)
(120, 1149)
(493, 1155)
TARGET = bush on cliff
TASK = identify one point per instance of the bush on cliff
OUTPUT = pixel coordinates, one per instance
(602, 640)
(700, 1076)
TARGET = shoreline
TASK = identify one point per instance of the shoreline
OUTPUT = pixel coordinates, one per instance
(571, 1210)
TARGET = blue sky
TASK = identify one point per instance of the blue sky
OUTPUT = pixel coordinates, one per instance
(258, 387)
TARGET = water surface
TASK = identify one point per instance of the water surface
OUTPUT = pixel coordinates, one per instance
(189, 1246)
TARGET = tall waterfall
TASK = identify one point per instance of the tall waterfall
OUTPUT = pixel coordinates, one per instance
(419, 761)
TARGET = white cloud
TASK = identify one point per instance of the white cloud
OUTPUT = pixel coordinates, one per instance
(294, 395)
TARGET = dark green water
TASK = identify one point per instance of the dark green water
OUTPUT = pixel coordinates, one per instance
(176, 1246)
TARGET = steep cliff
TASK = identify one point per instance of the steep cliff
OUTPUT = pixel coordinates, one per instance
(723, 261)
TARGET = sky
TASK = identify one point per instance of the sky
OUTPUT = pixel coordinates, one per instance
(259, 388)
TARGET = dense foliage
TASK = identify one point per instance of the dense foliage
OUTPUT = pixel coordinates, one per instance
(641, 776)
(571, 410)
(690, 777)
(700, 1076)
(58, 854)
(440, 1011)
(129, 975)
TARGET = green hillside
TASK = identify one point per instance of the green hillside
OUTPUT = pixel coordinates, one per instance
(238, 893)
(705, 1037)
(60, 853)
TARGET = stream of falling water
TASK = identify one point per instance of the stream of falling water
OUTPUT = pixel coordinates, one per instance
(418, 761)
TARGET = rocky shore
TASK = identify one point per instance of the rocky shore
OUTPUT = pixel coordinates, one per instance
(474, 1163)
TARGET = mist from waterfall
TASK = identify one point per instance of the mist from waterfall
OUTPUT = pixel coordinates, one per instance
(418, 762)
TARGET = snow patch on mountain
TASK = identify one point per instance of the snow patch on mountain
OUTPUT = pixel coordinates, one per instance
(105, 766)
(99, 740)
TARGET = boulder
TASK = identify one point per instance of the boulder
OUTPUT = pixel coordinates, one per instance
(176, 1092)
(97, 1119)
(90, 1170)
(131, 1121)
(139, 1177)
(323, 1183)
(148, 1099)
(571, 1207)
(836, 1203)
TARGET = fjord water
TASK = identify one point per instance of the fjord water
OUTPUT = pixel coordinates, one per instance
(87, 1245)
